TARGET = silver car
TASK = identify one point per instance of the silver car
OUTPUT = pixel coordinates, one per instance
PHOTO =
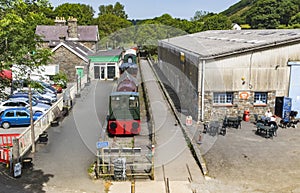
(24, 102)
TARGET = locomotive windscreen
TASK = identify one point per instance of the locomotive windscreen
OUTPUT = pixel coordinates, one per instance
(124, 107)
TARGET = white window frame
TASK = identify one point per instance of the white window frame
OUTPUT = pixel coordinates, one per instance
(260, 98)
(223, 98)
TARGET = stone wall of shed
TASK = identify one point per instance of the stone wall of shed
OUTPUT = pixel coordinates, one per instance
(67, 62)
(218, 112)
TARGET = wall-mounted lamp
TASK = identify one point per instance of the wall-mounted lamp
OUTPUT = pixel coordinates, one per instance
(250, 86)
(243, 80)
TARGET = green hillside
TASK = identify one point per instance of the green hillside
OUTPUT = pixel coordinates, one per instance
(238, 8)
(267, 14)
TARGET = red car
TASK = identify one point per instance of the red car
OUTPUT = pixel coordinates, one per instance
(57, 87)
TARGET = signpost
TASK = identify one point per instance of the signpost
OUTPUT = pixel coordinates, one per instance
(100, 145)
(17, 169)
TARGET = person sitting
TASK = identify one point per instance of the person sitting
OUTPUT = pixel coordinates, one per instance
(273, 118)
(267, 116)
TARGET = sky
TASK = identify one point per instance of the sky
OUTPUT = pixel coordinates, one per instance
(148, 9)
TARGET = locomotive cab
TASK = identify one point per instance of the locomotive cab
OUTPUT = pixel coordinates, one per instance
(124, 114)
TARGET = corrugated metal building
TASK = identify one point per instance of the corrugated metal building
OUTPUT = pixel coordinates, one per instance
(226, 72)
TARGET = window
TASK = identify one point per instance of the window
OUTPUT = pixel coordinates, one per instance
(260, 97)
(10, 114)
(223, 98)
(21, 114)
(11, 104)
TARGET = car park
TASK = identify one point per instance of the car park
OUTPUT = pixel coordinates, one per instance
(36, 96)
(19, 116)
(24, 102)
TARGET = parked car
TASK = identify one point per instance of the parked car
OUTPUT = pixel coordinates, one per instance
(36, 96)
(47, 87)
(42, 93)
(16, 117)
(58, 88)
(24, 102)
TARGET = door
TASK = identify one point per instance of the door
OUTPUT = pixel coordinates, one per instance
(111, 72)
(102, 73)
(96, 72)
(79, 72)
(294, 89)
(10, 117)
(23, 118)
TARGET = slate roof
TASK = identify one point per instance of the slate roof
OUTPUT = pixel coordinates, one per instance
(218, 43)
(53, 32)
(76, 48)
(114, 52)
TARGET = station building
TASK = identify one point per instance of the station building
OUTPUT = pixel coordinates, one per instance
(227, 72)
(104, 64)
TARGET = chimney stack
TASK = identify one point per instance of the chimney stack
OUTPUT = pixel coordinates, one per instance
(72, 29)
(60, 21)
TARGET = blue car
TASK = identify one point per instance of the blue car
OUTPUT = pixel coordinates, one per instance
(17, 117)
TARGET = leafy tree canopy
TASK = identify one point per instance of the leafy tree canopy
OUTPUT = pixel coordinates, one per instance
(117, 10)
(18, 39)
(83, 13)
(217, 22)
(108, 24)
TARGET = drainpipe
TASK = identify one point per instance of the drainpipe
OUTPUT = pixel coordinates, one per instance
(201, 77)
(202, 90)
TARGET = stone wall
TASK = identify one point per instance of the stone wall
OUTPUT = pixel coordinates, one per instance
(67, 62)
(217, 112)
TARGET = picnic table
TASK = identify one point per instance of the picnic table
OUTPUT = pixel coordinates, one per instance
(268, 129)
(232, 121)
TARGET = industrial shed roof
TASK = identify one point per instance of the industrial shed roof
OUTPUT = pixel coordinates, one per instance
(218, 43)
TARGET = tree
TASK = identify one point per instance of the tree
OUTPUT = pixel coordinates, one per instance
(199, 15)
(117, 10)
(19, 43)
(108, 24)
(295, 19)
(217, 22)
(286, 10)
(264, 15)
(83, 13)
(41, 7)
(168, 20)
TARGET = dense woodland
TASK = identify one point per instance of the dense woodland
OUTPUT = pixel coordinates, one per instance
(19, 18)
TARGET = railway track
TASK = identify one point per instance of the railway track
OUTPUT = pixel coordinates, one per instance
(130, 155)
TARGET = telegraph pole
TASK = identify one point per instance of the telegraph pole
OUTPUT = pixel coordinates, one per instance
(31, 120)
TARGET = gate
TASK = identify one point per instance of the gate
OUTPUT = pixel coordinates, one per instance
(6, 142)
(124, 163)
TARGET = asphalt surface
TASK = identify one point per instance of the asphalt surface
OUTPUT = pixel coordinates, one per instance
(62, 164)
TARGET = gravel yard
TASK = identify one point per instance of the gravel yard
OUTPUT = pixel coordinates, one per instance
(242, 161)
